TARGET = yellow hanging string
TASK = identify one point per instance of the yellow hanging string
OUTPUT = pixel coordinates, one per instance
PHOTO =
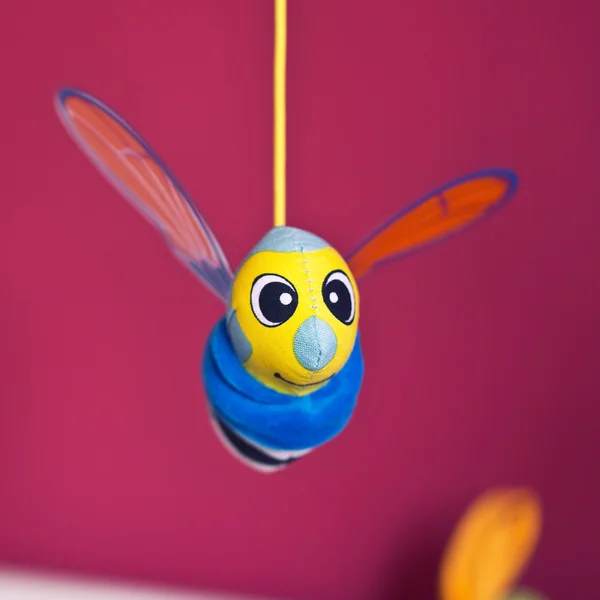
(279, 111)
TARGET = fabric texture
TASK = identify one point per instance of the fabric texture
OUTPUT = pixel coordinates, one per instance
(293, 311)
(268, 417)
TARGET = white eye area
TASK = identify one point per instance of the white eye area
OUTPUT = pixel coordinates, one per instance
(273, 299)
(338, 294)
(285, 298)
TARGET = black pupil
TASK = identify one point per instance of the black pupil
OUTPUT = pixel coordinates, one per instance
(277, 301)
(338, 299)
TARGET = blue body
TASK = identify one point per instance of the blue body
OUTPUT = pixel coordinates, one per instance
(272, 419)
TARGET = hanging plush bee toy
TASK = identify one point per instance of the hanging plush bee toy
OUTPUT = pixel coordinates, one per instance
(282, 370)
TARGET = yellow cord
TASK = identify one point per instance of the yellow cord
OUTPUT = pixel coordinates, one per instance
(279, 110)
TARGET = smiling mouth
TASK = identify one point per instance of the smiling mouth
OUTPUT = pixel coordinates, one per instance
(279, 376)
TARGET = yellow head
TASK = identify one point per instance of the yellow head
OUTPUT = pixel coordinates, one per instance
(293, 311)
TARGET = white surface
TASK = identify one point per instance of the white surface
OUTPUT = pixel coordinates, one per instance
(21, 585)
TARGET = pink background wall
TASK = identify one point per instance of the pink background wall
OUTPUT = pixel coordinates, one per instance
(481, 355)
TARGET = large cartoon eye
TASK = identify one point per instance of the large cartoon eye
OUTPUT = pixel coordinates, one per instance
(338, 295)
(274, 299)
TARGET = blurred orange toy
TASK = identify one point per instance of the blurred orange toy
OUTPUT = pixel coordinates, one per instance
(491, 546)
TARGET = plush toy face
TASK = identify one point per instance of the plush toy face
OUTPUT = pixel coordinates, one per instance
(293, 314)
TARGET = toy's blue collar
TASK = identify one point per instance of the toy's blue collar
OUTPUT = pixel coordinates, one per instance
(270, 418)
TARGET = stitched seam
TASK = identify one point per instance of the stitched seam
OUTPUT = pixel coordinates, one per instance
(312, 297)
(308, 280)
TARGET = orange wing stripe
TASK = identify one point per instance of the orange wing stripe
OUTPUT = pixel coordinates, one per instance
(435, 218)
